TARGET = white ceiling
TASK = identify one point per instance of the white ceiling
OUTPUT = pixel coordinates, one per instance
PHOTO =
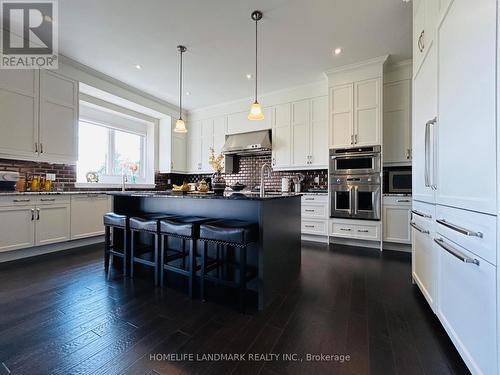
(296, 39)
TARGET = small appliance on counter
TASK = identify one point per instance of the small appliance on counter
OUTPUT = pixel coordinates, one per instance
(8, 180)
(285, 185)
(297, 182)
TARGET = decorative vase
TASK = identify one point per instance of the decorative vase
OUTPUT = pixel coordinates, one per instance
(218, 183)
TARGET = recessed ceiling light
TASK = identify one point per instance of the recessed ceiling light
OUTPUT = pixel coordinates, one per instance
(249, 76)
(188, 93)
(138, 66)
(337, 51)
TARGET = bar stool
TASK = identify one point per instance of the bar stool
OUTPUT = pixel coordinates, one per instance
(234, 234)
(185, 228)
(114, 221)
(147, 223)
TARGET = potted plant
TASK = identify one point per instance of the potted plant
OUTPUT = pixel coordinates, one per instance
(218, 181)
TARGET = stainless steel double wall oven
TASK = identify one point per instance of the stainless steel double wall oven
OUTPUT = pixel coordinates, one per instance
(355, 184)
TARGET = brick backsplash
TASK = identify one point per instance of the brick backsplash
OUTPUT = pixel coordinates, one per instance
(248, 174)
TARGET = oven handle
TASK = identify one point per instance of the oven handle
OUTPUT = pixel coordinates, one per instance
(355, 155)
(355, 200)
(350, 200)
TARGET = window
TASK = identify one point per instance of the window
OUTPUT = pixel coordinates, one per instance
(109, 153)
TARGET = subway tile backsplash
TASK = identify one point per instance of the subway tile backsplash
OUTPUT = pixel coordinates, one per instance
(248, 174)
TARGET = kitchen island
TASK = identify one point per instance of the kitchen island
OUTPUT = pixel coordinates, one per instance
(277, 254)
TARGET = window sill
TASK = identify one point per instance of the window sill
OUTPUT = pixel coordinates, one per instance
(94, 185)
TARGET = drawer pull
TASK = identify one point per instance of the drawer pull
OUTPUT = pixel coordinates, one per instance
(345, 229)
(309, 199)
(309, 210)
(309, 226)
(455, 252)
(421, 230)
(459, 229)
(20, 200)
(363, 230)
(403, 201)
(48, 199)
(421, 214)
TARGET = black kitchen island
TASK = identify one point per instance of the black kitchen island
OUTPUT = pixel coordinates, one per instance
(276, 254)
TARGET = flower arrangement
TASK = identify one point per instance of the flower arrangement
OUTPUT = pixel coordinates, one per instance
(216, 161)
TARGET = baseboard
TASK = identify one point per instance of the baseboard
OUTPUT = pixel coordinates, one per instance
(47, 249)
(406, 248)
(314, 238)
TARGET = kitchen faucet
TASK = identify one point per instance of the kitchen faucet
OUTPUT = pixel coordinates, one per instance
(264, 166)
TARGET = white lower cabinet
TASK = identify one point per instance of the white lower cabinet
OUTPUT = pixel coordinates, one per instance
(396, 218)
(17, 227)
(314, 211)
(86, 215)
(52, 223)
(467, 305)
(355, 229)
(424, 256)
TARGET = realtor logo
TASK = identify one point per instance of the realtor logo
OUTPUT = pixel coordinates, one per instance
(29, 34)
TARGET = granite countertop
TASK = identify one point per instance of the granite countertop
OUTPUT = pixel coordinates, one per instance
(227, 195)
(8, 193)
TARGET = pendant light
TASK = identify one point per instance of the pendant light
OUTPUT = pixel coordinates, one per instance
(256, 109)
(180, 125)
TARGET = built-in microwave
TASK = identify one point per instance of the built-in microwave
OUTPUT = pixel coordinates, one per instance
(399, 181)
(355, 161)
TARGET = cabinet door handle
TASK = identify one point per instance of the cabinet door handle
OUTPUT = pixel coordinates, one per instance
(421, 44)
(41, 148)
(455, 252)
(355, 139)
(352, 139)
(38, 214)
(36, 147)
(459, 229)
(421, 214)
(421, 230)
(32, 214)
(20, 200)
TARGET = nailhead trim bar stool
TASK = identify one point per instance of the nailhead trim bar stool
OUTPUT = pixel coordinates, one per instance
(114, 221)
(234, 234)
(186, 228)
(147, 223)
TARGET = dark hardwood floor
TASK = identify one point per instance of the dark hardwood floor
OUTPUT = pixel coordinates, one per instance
(61, 315)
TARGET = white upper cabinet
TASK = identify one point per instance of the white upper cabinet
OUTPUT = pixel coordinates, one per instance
(466, 123)
(300, 133)
(39, 116)
(219, 128)
(356, 113)
(207, 142)
(194, 147)
(425, 13)
(239, 122)
(318, 133)
(281, 136)
(367, 109)
(19, 113)
(342, 116)
(178, 153)
(58, 118)
(397, 122)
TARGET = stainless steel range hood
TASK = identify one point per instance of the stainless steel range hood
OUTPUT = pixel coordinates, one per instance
(258, 142)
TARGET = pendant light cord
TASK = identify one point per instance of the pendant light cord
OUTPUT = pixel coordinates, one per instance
(180, 89)
(256, 41)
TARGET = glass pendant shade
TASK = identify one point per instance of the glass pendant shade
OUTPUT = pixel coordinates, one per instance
(256, 113)
(180, 126)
